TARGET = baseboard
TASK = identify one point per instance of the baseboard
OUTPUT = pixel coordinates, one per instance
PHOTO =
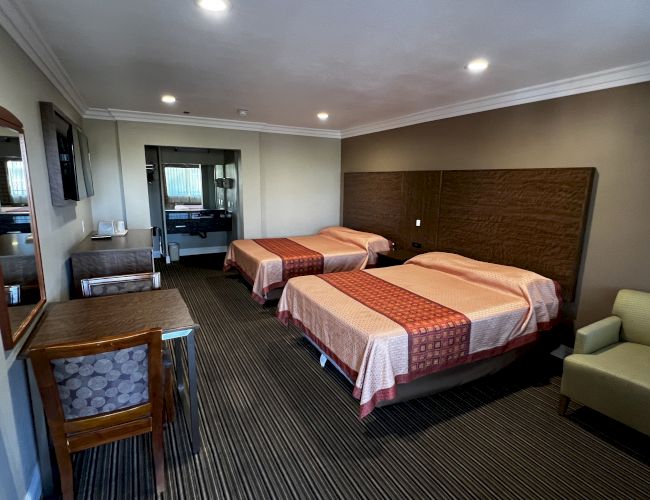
(34, 490)
(202, 250)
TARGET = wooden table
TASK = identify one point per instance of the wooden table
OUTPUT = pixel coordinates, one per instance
(129, 254)
(98, 317)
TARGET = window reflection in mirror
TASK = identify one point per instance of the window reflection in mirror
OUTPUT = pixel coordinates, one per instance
(17, 257)
(183, 187)
(196, 187)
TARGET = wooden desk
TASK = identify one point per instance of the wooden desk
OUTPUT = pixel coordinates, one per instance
(129, 254)
(94, 318)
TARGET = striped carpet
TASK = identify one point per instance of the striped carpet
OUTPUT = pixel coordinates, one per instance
(276, 425)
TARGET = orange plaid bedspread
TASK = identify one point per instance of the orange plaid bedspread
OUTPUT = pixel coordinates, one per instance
(297, 260)
(438, 336)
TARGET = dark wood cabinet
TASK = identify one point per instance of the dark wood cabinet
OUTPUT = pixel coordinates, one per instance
(129, 254)
(394, 257)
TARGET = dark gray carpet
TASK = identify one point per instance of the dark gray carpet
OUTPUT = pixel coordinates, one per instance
(276, 425)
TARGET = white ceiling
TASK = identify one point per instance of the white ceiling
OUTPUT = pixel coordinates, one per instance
(361, 60)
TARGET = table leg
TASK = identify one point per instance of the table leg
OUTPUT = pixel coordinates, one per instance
(194, 395)
(180, 368)
(189, 397)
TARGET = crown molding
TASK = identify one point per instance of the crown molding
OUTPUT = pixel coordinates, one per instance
(203, 121)
(22, 28)
(615, 77)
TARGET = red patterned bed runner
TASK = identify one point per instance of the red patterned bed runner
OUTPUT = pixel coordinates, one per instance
(297, 260)
(438, 336)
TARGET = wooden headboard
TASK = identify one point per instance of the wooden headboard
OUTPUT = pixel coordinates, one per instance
(529, 218)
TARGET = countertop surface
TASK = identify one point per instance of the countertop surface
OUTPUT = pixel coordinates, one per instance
(135, 239)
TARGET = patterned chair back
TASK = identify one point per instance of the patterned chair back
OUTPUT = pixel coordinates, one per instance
(115, 285)
(100, 383)
(88, 380)
(102, 390)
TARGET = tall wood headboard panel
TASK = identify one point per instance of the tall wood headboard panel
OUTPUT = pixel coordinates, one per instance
(388, 203)
(530, 218)
(372, 202)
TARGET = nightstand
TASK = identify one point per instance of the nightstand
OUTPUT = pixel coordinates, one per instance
(394, 257)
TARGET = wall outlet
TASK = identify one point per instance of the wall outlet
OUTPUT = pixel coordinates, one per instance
(417, 222)
(415, 244)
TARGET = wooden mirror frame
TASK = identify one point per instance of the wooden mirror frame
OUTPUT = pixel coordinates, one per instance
(10, 337)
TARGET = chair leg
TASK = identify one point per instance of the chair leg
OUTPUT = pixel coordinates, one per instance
(158, 456)
(64, 460)
(170, 407)
(564, 404)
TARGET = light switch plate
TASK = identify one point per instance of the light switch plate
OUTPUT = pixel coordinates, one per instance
(417, 222)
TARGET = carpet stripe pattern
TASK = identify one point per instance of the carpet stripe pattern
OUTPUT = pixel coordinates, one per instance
(275, 424)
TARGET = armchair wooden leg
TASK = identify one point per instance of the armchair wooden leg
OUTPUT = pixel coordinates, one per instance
(564, 404)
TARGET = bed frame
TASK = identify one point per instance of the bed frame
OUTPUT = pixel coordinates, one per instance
(535, 219)
(439, 381)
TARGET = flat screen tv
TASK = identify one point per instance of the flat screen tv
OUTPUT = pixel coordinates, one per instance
(74, 158)
(68, 157)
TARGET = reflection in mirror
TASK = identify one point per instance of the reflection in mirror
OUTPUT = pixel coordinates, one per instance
(183, 186)
(17, 254)
(190, 186)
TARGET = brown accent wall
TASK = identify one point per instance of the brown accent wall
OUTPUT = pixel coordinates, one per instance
(608, 130)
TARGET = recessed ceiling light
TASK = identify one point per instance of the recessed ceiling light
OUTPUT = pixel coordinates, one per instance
(168, 99)
(477, 65)
(322, 116)
(214, 5)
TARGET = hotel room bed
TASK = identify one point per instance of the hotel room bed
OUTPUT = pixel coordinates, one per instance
(268, 263)
(434, 314)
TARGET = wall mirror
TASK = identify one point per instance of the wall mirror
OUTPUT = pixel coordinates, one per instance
(21, 273)
(197, 186)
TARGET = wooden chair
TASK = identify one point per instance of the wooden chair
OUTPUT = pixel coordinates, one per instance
(98, 392)
(131, 283)
(114, 285)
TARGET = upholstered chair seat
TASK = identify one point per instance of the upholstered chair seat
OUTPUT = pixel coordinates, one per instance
(610, 368)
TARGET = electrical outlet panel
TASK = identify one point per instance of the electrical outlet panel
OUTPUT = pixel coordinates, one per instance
(417, 222)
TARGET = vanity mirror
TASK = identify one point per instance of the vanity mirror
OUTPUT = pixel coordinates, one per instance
(21, 274)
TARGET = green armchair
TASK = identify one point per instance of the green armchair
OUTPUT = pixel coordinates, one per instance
(609, 369)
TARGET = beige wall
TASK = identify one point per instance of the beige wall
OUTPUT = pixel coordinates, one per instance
(288, 184)
(609, 130)
(300, 184)
(108, 202)
(22, 85)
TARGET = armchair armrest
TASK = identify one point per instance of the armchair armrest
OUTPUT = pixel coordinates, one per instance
(597, 335)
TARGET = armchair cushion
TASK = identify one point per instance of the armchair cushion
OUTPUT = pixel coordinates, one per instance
(633, 307)
(597, 335)
(614, 381)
